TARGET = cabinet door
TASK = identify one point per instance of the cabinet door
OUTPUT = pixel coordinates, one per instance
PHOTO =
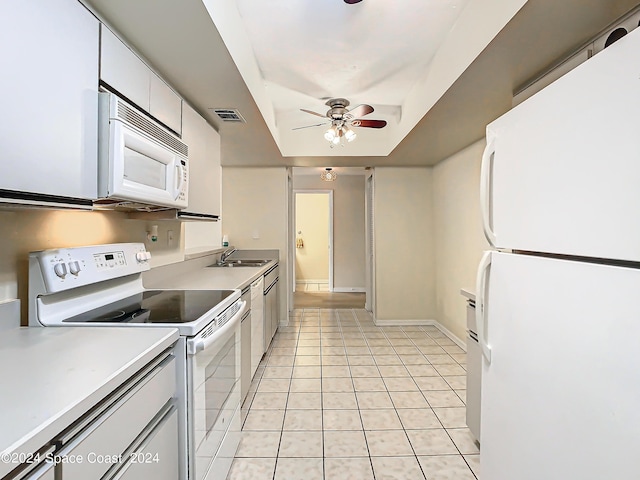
(164, 104)
(48, 126)
(123, 70)
(204, 163)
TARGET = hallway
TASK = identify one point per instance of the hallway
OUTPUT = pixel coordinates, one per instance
(304, 299)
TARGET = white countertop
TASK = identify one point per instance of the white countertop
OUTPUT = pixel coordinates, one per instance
(468, 293)
(212, 278)
(52, 376)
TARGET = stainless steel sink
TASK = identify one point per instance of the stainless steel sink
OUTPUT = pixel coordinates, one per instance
(241, 263)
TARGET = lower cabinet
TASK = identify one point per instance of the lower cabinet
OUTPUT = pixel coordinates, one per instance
(111, 439)
(132, 434)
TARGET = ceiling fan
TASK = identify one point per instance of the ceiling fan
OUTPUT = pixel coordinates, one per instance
(342, 120)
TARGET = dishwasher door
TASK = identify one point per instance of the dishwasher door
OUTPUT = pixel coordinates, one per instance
(257, 324)
(474, 374)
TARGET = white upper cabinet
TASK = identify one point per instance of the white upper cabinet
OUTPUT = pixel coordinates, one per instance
(204, 163)
(164, 104)
(122, 70)
(48, 126)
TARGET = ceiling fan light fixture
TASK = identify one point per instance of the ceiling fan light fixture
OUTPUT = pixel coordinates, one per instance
(330, 134)
(328, 175)
(349, 134)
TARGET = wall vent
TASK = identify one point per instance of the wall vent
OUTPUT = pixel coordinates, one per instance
(229, 115)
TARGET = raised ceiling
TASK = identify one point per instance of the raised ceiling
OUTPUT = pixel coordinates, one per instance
(491, 48)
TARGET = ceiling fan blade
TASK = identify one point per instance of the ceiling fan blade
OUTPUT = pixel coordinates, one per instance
(309, 126)
(351, 2)
(369, 123)
(360, 111)
(314, 113)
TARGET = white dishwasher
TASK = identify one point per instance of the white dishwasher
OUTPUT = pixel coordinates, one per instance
(257, 324)
(474, 371)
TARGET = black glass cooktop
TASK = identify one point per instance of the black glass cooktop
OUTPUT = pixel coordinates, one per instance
(156, 306)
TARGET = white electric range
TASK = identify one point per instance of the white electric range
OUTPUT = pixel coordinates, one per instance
(101, 285)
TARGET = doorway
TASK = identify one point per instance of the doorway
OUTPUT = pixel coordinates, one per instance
(347, 249)
(313, 227)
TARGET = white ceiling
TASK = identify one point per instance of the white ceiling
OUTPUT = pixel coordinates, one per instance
(487, 55)
(374, 52)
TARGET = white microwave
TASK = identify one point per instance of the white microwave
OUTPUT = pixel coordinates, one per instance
(139, 161)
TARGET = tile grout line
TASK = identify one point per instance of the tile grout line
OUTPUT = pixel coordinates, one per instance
(337, 318)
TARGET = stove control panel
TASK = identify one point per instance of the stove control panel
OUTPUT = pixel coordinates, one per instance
(66, 268)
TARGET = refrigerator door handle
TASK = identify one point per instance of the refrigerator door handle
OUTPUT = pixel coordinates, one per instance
(481, 285)
(485, 189)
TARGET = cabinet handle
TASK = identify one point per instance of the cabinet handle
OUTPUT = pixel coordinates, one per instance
(485, 189)
(481, 285)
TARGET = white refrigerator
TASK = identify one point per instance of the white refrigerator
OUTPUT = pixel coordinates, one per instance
(558, 299)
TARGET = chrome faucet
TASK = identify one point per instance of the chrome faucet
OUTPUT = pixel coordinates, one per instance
(226, 254)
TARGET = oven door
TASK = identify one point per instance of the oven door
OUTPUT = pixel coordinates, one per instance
(143, 170)
(213, 382)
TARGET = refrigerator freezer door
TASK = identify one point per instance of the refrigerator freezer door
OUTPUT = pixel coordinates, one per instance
(562, 170)
(560, 396)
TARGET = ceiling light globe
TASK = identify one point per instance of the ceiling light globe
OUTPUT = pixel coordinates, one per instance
(350, 135)
(329, 135)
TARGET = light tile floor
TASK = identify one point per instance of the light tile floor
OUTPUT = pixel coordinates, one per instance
(312, 287)
(336, 397)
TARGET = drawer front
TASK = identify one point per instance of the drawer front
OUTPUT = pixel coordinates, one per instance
(44, 472)
(270, 277)
(157, 458)
(100, 445)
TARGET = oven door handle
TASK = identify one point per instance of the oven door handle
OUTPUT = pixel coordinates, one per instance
(199, 344)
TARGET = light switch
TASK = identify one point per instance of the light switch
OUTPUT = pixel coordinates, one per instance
(256, 235)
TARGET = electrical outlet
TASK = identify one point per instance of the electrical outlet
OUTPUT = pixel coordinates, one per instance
(170, 237)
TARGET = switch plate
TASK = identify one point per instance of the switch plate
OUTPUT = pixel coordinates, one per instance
(255, 235)
(170, 237)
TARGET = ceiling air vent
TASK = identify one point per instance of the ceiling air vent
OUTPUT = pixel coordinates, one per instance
(229, 115)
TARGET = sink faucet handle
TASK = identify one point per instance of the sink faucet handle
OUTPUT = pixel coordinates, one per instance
(227, 253)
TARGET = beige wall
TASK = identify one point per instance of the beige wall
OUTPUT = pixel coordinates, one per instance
(28, 230)
(404, 250)
(254, 204)
(349, 254)
(312, 226)
(459, 240)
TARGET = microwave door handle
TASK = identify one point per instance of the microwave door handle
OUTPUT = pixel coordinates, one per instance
(181, 170)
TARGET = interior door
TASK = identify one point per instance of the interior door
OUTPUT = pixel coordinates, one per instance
(560, 173)
(560, 393)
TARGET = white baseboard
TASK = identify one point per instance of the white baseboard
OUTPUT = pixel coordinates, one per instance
(349, 289)
(423, 323)
(450, 334)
